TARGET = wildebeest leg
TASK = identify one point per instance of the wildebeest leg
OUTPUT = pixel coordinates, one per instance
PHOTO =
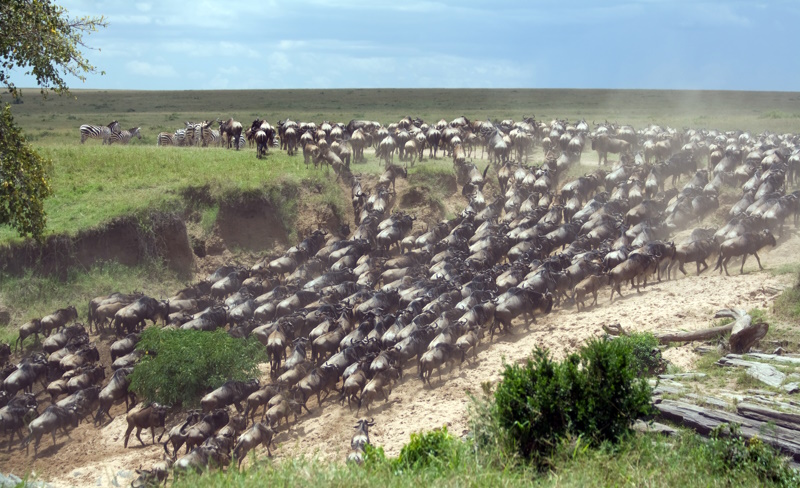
(744, 258)
(725, 265)
(758, 260)
(128, 434)
(138, 435)
(594, 301)
(705, 266)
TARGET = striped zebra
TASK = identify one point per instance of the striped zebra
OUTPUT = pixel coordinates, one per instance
(99, 131)
(179, 138)
(125, 136)
(242, 141)
(207, 135)
(193, 133)
(165, 139)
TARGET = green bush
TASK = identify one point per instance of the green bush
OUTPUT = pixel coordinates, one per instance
(436, 449)
(728, 451)
(180, 366)
(596, 394)
(644, 347)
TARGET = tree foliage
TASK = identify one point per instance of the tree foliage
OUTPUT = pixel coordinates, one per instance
(180, 366)
(37, 36)
(23, 180)
(40, 37)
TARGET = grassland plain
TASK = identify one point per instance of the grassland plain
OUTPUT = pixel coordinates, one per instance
(95, 183)
(55, 120)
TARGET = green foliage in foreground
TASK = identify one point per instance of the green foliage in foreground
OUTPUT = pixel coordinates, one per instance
(180, 366)
(636, 460)
(644, 347)
(435, 450)
(596, 395)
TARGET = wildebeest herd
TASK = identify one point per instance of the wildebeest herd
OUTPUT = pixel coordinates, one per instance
(351, 311)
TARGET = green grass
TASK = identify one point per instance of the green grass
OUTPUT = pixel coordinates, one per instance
(639, 460)
(34, 295)
(57, 118)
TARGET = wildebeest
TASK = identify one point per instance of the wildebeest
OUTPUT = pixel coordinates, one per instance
(231, 129)
(204, 429)
(32, 328)
(52, 419)
(519, 301)
(749, 243)
(257, 434)
(124, 346)
(104, 307)
(359, 440)
(231, 392)
(134, 315)
(148, 416)
(19, 411)
(202, 458)
(380, 385)
(590, 284)
(177, 434)
(58, 319)
(26, 374)
(113, 392)
(442, 354)
(635, 266)
(605, 144)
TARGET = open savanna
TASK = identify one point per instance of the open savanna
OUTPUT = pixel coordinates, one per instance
(94, 184)
(55, 120)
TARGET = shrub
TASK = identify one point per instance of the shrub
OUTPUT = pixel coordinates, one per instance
(181, 365)
(437, 449)
(731, 452)
(596, 394)
(646, 354)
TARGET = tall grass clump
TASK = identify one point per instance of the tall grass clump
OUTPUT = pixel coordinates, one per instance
(595, 395)
(788, 304)
(179, 366)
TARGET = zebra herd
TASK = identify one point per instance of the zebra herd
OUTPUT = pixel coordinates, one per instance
(195, 134)
(110, 133)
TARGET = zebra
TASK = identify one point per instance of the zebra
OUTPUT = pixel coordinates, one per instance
(193, 133)
(179, 138)
(208, 136)
(242, 141)
(99, 131)
(165, 139)
(124, 136)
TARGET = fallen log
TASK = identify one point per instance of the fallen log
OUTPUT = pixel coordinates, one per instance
(703, 421)
(695, 335)
(744, 332)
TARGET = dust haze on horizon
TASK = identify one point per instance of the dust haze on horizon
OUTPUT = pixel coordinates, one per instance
(643, 44)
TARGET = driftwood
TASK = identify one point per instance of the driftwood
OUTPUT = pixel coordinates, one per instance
(695, 335)
(703, 420)
(743, 332)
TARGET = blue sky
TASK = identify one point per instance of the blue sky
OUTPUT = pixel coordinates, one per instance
(669, 44)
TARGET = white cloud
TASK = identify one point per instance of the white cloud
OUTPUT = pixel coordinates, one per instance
(142, 68)
(143, 7)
